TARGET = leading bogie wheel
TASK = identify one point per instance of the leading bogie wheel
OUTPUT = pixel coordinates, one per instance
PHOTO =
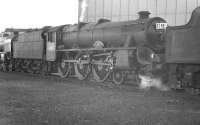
(118, 77)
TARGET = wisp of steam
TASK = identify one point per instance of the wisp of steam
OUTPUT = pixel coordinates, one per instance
(83, 10)
(148, 82)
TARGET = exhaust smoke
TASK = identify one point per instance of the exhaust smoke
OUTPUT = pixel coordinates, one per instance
(83, 10)
(147, 82)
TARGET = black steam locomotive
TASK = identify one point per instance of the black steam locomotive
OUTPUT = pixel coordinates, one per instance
(183, 53)
(111, 50)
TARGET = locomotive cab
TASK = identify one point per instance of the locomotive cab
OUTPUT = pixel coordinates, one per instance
(51, 45)
(53, 38)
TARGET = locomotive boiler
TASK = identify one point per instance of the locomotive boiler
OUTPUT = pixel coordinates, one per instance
(115, 34)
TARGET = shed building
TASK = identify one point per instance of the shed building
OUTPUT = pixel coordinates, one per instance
(176, 12)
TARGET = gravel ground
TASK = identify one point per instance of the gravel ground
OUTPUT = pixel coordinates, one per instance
(34, 100)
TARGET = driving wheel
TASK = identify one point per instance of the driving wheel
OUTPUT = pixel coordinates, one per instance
(64, 67)
(101, 70)
(82, 67)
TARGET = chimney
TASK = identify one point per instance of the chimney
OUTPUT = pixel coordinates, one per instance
(144, 14)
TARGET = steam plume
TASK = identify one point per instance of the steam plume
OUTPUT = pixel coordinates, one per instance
(147, 82)
(83, 10)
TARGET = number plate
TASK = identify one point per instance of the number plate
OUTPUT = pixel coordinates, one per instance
(161, 26)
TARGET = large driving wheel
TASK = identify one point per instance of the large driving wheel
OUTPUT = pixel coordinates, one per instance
(101, 70)
(118, 77)
(82, 67)
(64, 67)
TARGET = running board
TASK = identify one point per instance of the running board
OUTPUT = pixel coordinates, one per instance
(58, 74)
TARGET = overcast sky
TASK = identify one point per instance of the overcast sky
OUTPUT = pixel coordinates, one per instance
(37, 13)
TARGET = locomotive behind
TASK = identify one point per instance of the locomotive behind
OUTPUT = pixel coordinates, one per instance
(183, 53)
(5, 51)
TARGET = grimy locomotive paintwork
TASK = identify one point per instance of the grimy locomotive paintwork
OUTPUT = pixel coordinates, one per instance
(114, 34)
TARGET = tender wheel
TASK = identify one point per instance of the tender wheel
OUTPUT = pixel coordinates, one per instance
(82, 67)
(3, 67)
(10, 66)
(44, 68)
(101, 70)
(118, 77)
(64, 67)
(33, 67)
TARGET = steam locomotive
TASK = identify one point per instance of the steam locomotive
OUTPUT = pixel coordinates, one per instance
(110, 50)
(183, 53)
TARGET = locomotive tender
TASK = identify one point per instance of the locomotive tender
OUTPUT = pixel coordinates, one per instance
(113, 50)
(183, 53)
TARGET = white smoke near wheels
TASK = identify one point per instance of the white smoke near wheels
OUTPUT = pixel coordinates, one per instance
(148, 82)
(83, 10)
